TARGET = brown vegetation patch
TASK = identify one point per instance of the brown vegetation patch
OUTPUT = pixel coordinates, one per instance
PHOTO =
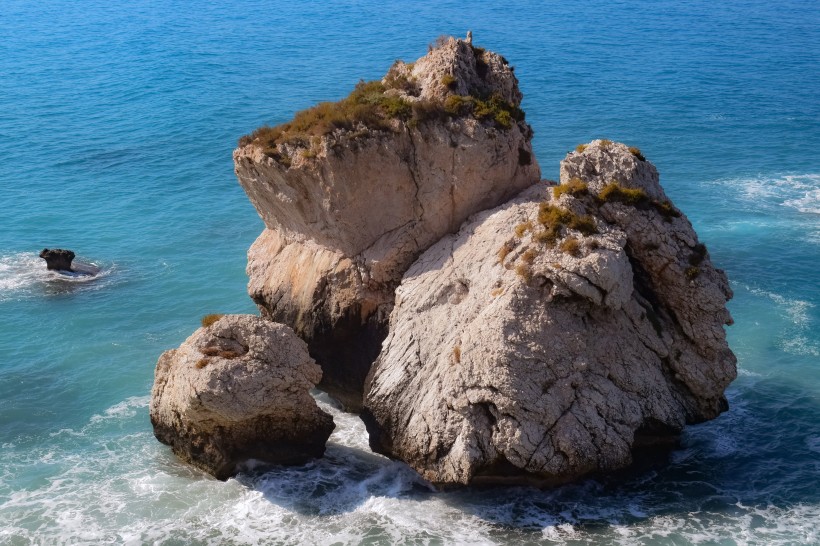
(571, 246)
(522, 228)
(449, 81)
(505, 249)
(207, 320)
(692, 272)
(524, 271)
(615, 193)
(636, 197)
(575, 187)
(493, 108)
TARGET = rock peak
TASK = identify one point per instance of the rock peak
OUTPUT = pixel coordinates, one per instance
(454, 81)
(456, 67)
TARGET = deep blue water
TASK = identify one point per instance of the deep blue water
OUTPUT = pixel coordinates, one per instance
(117, 122)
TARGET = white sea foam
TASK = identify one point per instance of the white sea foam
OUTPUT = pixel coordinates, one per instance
(87, 487)
(793, 336)
(773, 193)
(797, 311)
(797, 191)
(126, 408)
(24, 275)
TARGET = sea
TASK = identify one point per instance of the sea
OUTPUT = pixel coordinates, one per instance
(117, 123)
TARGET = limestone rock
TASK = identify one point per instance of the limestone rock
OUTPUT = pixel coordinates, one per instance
(349, 209)
(57, 259)
(551, 336)
(239, 389)
(456, 67)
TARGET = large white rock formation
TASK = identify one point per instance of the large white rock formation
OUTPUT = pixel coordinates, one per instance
(551, 336)
(349, 205)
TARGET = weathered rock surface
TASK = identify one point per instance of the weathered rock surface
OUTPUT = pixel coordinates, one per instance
(57, 259)
(517, 353)
(347, 212)
(236, 390)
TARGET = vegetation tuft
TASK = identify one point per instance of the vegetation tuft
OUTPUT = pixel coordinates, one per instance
(666, 209)
(571, 246)
(522, 228)
(229, 354)
(692, 272)
(370, 105)
(575, 187)
(580, 148)
(505, 249)
(449, 81)
(493, 108)
(207, 320)
(637, 153)
(529, 256)
(554, 219)
(615, 193)
(367, 104)
(216, 351)
(523, 270)
(397, 79)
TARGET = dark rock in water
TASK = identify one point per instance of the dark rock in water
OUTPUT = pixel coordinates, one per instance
(57, 259)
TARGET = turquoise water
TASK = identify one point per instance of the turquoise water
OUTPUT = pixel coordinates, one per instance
(117, 122)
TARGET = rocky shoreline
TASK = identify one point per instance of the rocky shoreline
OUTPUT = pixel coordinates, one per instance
(491, 327)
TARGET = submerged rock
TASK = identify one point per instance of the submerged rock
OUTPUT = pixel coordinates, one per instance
(239, 389)
(554, 334)
(351, 193)
(57, 259)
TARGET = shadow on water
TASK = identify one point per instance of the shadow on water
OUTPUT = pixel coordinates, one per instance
(762, 454)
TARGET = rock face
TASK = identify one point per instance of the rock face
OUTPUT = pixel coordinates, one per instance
(239, 389)
(57, 258)
(350, 202)
(552, 335)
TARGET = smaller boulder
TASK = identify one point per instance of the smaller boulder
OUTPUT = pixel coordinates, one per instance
(57, 259)
(239, 389)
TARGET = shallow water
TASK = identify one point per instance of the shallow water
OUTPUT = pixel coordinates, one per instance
(116, 128)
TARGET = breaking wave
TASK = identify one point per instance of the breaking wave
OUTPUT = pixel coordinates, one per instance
(98, 484)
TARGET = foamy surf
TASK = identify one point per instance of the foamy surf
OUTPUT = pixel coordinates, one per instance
(800, 192)
(97, 485)
(24, 274)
